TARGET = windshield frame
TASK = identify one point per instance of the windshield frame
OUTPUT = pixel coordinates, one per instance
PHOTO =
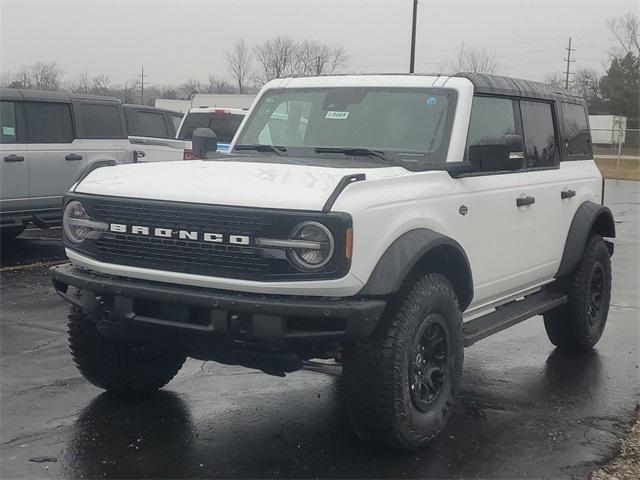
(436, 160)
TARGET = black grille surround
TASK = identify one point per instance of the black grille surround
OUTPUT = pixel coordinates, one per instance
(248, 262)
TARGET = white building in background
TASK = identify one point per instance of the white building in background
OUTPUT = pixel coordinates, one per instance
(607, 129)
(222, 100)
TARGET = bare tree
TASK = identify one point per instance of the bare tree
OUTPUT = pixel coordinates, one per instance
(82, 84)
(476, 60)
(314, 58)
(239, 60)
(45, 76)
(554, 79)
(276, 57)
(586, 83)
(191, 87)
(219, 85)
(101, 85)
(626, 31)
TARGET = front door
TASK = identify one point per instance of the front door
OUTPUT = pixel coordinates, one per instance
(14, 164)
(56, 158)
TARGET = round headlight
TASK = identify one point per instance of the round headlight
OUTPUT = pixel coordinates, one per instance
(72, 221)
(316, 246)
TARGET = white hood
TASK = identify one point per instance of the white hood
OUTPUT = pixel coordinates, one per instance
(247, 184)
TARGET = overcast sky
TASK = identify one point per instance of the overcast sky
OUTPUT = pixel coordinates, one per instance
(176, 40)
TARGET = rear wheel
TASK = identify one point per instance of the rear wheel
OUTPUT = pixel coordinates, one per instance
(578, 325)
(400, 384)
(117, 366)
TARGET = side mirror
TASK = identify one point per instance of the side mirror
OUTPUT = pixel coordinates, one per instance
(204, 142)
(505, 153)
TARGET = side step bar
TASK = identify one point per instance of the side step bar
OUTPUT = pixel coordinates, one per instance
(511, 314)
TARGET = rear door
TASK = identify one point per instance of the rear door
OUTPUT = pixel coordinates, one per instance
(14, 164)
(545, 183)
(102, 129)
(56, 156)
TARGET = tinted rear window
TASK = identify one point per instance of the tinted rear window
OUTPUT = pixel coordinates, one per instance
(101, 121)
(224, 124)
(576, 130)
(149, 124)
(48, 122)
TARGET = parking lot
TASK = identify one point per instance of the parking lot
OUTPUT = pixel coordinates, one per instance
(524, 410)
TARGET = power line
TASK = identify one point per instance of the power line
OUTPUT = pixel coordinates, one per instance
(142, 87)
(569, 62)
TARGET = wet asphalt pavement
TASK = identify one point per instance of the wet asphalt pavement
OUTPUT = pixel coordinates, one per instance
(525, 410)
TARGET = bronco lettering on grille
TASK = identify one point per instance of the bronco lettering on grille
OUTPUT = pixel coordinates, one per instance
(180, 234)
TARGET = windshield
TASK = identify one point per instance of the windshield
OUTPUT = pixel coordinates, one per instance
(404, 124)
(224, 124)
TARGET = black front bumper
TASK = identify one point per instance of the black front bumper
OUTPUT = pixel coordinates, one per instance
(136, 308)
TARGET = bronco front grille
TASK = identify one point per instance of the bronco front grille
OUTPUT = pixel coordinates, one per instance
(198, 256)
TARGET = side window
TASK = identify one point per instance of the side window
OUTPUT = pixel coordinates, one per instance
(151, 124)
(8, 121)
(48, 122)
(491, 118)
(101, 121)
(539, 134)
(175, 120)
(576, 130)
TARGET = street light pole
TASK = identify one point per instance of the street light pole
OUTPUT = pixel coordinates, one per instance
(412, 62)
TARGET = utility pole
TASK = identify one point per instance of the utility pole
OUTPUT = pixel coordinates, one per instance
(569, 62)
(142, 87)
(412, 62)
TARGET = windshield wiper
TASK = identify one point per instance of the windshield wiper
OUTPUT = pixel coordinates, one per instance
(354, 151)
(259, 147)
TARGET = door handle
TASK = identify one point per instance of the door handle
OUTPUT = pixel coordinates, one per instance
(72, 157)
(567, 194)
(523, 201)
(14, 158)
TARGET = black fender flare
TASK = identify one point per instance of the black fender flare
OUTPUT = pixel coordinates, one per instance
(588, 218)
(405, 253)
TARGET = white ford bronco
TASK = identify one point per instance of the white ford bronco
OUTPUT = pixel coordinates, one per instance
(384, 221)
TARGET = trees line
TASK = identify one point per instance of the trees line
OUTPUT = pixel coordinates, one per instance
(617, 91)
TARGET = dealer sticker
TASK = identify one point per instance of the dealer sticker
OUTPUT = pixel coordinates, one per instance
(337, 115)
(9, 131)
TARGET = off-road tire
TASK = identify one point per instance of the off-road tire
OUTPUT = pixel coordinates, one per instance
(574, 326)
(377, 393)
(117, 366)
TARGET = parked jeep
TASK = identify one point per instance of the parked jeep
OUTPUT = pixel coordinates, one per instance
(386, 222)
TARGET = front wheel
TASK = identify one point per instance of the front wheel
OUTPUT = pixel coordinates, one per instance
(578, 325)
(400, 384)
(117, 366)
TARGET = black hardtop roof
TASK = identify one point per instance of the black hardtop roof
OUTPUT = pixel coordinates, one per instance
(152, 109)
(485, 83)
(43, 95)
(514, 87)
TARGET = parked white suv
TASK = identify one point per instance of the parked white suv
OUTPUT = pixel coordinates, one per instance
(47, 139)
(383, 211)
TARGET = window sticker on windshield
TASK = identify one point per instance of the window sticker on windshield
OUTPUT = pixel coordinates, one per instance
(10, 131)
(337, 115)
(432, 101)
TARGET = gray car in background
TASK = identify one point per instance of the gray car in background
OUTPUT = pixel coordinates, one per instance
(46, 140)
